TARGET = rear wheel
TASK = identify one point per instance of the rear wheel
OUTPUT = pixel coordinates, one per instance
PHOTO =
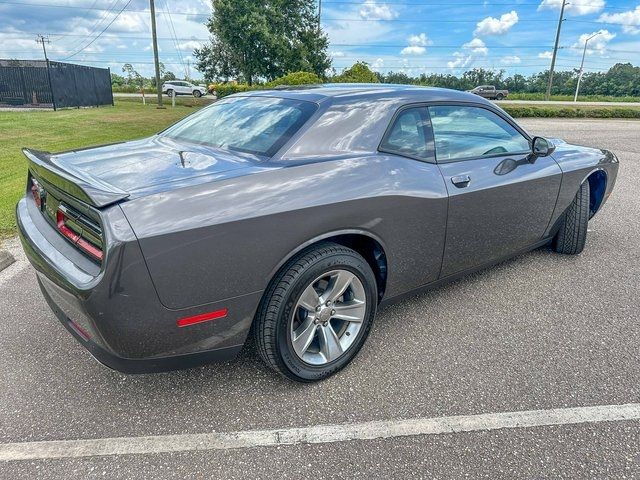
(499, 96)
(572, 235)
(317, 313)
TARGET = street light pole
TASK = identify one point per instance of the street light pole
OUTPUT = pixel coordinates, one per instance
(584, 52)
(555, 51)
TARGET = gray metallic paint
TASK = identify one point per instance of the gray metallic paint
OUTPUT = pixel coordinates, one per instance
(199, 229)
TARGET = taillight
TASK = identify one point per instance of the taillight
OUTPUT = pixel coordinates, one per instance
(36, 191)
(80, 231)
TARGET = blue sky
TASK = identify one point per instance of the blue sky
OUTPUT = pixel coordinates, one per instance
(413, 36)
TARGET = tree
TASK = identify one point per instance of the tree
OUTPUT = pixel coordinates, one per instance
(265, 39)
(359, 72)
(216, 61)
(165, 75)
(117, 80)
(396, 77)
(133, 77)
(296, 78)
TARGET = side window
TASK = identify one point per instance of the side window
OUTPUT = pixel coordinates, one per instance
(407, 135)
(473, 132)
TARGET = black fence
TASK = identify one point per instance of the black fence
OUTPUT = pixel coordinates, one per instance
(39, 83)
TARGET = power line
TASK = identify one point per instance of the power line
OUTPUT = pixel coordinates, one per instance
(357, 45)
(326, 2)
(98, 36)
(175, 39)
(448, 4)
(96, 24)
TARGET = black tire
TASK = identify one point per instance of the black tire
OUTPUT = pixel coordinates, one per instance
(272, 323)
(169, 92)
(197, 93)
(499, 96)
(572, 235)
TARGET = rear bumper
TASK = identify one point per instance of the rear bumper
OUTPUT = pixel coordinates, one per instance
(115, 312)
(136, 365)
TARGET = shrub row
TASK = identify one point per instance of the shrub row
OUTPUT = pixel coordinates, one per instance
(581, 98)
(571, 112)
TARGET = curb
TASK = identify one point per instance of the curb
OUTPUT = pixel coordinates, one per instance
(6, 259)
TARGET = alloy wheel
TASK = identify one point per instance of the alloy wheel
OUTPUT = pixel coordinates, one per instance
(328, 317)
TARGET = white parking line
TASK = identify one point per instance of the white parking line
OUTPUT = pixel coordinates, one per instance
(316, 434)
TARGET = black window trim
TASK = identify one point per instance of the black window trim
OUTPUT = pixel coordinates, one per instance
(491, 109)
(275, 149)
(427, 131)
(430, 136)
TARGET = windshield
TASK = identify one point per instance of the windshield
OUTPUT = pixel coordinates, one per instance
(258, 125)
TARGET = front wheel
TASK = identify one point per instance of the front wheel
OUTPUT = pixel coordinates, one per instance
(317, 313)
(572, 235)
(169, 92)
(197, 93)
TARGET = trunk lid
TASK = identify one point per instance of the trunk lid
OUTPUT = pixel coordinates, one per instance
(108, 174)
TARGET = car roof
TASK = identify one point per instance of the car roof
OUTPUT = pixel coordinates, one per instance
(334, 91)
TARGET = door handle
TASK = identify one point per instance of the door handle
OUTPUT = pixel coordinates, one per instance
(461, 181)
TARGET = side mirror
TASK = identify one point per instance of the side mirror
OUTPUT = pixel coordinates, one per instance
(541, 147)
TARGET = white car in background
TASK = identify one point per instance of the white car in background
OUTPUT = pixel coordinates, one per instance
(183, 88)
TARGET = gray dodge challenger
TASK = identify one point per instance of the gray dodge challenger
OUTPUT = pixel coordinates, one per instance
(291, 215)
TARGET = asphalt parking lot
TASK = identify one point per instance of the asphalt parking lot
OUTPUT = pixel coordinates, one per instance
(539, 332)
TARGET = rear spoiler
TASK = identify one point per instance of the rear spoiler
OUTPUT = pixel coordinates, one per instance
(80, 185)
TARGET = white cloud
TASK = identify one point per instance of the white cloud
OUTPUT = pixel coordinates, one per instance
(129, 22)
(337, 54)
(190, 45)
(377, 64)
(417, 45)
(596, 44)
(420, 40)
(476, 46)
(371, 10)
(546, 55)
(413, 50)
(461, 60)
(472, 49)
(630, 20)
(510, 60)
(575, 7)
(497, 26)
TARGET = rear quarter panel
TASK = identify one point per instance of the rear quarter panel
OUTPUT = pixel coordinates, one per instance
(228, 238)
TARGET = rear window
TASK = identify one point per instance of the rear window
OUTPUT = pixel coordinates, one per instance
(257, 125)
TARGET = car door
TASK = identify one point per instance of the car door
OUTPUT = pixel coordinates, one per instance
(175, 86)
(500, 199)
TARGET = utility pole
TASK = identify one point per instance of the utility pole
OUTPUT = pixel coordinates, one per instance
(584, 52)
(555, 51)
(152, 7)
(43, 39)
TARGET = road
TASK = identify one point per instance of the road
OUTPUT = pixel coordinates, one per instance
(546, 333)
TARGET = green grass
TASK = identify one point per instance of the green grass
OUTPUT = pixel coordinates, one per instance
(67, 129)
(559, 111)
(565, 98)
